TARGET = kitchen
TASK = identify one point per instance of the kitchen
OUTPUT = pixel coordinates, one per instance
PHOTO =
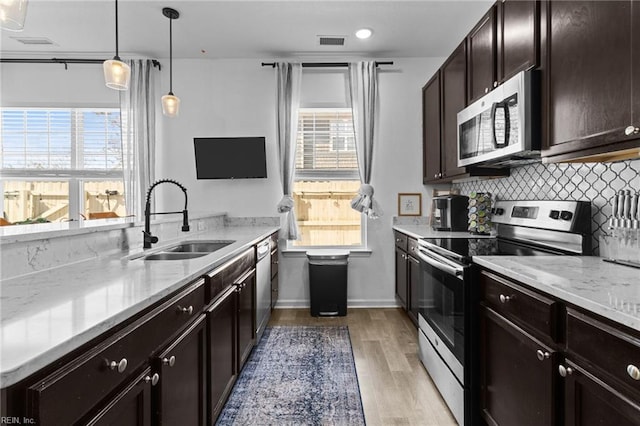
(231, 94)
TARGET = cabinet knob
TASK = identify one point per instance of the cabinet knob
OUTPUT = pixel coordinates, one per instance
(435, 176)
(633, 371)
(565, 371)
(439, 175)
(119, 366)
(171, 361)
(486, 90)
(188, 310)
(631, 130)
(275, 262)
(495, 84)
(153, 379)
(542, 355)
(505, 299)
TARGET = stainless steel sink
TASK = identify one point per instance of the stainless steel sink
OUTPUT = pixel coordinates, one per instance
(199, 246)
(173, 256)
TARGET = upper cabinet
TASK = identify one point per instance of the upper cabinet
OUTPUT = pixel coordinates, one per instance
(481, 60)
(518, 37)
(592, 76)
(431, 129)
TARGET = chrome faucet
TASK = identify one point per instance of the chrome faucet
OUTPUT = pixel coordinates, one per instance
(151, 239)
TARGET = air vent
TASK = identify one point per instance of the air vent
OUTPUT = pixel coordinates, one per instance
(331, 40)
(34, 41)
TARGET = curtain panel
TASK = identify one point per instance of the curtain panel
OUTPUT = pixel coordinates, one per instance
(137, 111)
(288, 79)
(363, 89)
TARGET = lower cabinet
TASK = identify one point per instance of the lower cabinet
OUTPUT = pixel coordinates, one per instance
(179, 397)
(246, 288)
(407, 274)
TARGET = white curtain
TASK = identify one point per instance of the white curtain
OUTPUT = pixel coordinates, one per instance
(137, 109)
(363, 91)
(288, 79)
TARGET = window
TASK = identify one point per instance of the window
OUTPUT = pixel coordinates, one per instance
(61, 164)
(326, 180)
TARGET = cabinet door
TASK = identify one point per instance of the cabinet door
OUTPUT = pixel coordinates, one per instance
(518, 37)
(246, 288)
(590, 402)
(401, 277)
(431, 130)
(414, 283)
(453, 95)
(130, 407)
(481, 63)
(180, 398)
(274, 291)
(589, 75)
(516, 387)
(635, 70)
(222, 319)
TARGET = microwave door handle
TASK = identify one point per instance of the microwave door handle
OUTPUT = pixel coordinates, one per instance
(451, 270)
(507, 124)
(494, 108)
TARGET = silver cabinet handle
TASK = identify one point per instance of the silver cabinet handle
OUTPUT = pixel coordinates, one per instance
(187, 311)
(435, 175)
(495, 84)
(631, 130)
(542, 355)
(633, 371)
(171, 361)
(439, 175)
(505, 299)
(486, 90)
(398, 240)
(565, 371)
(119, 366)
(153, 379)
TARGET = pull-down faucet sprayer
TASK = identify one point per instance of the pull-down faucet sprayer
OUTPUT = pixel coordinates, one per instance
(148, 238)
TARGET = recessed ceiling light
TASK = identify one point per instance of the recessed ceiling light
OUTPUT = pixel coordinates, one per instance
(364, 33)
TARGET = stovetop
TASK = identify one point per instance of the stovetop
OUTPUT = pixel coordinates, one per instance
(465, 248)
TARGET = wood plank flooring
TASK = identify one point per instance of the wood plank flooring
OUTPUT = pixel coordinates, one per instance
(395, 387)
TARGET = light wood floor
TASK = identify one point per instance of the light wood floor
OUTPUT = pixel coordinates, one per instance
(395, 387)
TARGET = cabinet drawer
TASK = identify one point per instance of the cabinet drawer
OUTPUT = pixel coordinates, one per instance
(401, 240)
(274, 241)
(220, 278)
(529, 309)
(74, 389)
(611, 350)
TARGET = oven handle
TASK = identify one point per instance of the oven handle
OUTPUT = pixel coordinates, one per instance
(441, 263)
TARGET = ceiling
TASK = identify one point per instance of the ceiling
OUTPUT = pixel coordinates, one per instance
(245, 29)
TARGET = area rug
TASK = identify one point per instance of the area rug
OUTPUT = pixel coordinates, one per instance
(297, 376)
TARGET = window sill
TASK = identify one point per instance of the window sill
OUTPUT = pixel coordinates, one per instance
(302, 252)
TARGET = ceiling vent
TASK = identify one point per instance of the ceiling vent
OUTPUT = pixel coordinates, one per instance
(40, 41)
(331, 40)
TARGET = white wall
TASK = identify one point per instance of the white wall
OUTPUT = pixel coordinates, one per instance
(237, 98)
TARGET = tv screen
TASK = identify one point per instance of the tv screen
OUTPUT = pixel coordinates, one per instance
(230, 158)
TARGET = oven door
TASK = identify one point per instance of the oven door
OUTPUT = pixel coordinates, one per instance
(442, 301)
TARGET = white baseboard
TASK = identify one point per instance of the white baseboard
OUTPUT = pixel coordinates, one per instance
(352, 303)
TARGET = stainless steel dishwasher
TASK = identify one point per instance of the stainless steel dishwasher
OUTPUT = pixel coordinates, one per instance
(263, 286)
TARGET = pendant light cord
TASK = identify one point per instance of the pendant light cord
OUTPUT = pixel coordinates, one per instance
(171, 56)
(117, 55)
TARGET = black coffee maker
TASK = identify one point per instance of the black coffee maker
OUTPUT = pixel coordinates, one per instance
(450, 213)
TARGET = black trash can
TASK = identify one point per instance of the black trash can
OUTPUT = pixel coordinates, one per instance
(328, 282)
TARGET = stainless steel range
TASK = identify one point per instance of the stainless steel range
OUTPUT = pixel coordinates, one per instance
(448, 295)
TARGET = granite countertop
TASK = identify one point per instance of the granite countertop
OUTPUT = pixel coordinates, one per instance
(606, 289)
(48, 314)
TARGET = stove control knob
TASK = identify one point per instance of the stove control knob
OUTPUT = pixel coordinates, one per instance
(566, 215)
(554, 214)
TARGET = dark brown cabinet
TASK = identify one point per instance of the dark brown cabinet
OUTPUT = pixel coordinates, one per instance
(179, 397)
(518, 37)
(222, 326)
(481, 57)
(274, 270)
(591, 82)
(246, 291)
(401, 269)
(442, 98)
(407, 274)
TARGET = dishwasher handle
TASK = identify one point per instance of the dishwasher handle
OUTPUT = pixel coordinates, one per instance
(263, 249)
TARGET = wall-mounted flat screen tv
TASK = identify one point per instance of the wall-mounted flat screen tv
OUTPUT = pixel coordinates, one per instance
(230, 158)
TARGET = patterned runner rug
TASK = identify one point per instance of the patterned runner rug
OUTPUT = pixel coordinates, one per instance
(297, 376)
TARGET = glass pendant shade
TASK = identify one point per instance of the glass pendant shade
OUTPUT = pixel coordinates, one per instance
(13, 14)
(170, 105)
(116, 74)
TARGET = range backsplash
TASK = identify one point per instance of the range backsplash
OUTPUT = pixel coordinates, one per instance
(595, 182)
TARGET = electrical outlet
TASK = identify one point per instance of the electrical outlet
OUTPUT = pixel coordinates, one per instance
(201, 226)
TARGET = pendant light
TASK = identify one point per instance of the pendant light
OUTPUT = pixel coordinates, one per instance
(116, 72)
(13, 14)
(170, 102)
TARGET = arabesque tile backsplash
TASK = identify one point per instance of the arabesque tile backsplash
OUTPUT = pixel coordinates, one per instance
(595, 182)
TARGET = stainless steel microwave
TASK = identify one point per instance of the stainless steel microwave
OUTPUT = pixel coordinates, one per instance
(503, 127)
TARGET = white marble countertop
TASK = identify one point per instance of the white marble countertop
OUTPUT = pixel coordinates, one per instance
(425, 231)
(48, 314)
(609, 290)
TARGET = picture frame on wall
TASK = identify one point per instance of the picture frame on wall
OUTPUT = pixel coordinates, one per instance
(410, 204)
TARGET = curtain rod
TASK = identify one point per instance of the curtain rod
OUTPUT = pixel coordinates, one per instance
(325, 64)
(64, 61)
